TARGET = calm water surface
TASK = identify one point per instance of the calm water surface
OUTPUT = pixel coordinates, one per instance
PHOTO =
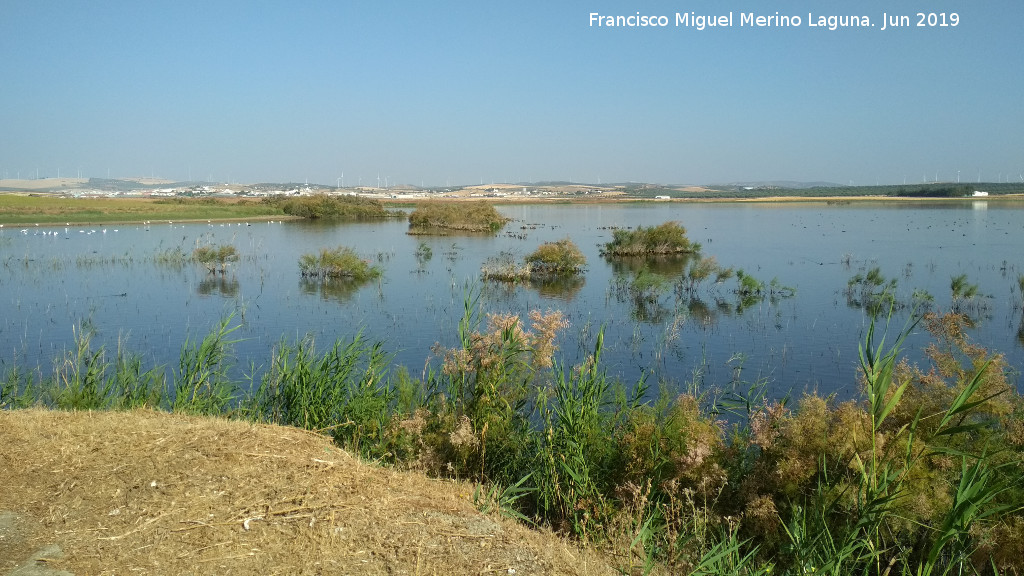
(54, 279)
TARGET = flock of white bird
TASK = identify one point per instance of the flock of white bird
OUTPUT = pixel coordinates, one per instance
(145, 223)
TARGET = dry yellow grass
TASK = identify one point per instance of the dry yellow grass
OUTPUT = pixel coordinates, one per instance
(154, 493)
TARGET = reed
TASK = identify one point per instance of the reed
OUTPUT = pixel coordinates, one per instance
(343, 391)
(202, 384)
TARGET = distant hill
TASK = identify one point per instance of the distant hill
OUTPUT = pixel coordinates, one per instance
(779, 184)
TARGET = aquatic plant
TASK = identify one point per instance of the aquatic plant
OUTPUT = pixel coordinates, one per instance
(667, 238)
(216, 258)
(700, 270)
(871, 291)
(560, 258)
(551, 260)
(505, 268)
(173, 257)
(441, 217)
(424, 253)
(341, 262)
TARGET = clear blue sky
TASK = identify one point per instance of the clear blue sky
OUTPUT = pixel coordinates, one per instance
(464, 91)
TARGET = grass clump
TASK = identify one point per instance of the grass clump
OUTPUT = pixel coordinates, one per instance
(667, 238)
(341, 262)
(550, 261)
(216, 258)
(441, 217)
(561, 258)
(332, 207)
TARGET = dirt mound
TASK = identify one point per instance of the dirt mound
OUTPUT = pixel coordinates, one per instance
(155, 493)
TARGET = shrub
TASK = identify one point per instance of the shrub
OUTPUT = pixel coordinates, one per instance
(431, 217)
(341, 262)
(667, 238)
(561, 258)
(335, 207)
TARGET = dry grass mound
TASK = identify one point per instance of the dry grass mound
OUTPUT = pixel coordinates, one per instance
(156, 493)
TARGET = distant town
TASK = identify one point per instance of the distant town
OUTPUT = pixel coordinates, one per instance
(158, 188)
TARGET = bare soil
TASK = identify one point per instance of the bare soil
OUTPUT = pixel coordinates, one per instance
(155, 493)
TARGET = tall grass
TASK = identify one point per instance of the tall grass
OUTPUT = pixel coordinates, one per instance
(202, 384)
(343, 392)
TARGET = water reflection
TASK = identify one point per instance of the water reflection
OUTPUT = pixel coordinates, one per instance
(218, 285)
(564, 288)
(332, 289)
(671, 266)
(46, 286)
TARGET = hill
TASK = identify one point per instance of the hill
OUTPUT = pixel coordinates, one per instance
(156, 493)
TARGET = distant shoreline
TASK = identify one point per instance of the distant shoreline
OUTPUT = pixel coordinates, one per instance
(41, 209)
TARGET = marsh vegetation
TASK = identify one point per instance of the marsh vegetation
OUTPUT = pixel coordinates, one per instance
(663, 239)
(215, 258)
(337, 263)
(436, 217)
(919, 474)
(323, 206)
(550, 261)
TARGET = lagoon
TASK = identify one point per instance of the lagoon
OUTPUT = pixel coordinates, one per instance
(54, 280)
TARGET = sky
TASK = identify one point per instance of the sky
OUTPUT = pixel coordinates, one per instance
(458, 92)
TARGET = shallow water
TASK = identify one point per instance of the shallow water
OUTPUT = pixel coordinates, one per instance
(53, 279)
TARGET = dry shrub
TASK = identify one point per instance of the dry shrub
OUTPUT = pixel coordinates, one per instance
(679, 448)
(504, 335)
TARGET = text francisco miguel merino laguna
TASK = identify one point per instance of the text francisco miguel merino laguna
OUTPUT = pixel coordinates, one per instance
(754, 20)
